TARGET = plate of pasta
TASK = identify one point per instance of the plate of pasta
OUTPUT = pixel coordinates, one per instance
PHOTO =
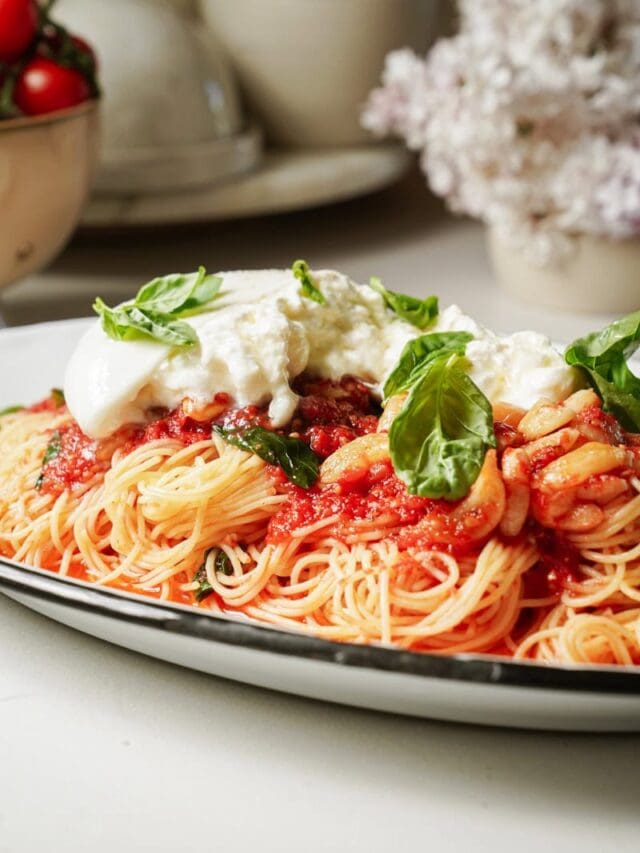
(337, 490)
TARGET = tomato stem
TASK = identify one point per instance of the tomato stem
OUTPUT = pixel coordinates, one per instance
(7, 107)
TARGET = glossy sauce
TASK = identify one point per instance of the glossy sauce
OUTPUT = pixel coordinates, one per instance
(331, 414)
(556, 570)
(76, 462)
(377, 494)
(603, 424)
(342, 416)
(179, 425)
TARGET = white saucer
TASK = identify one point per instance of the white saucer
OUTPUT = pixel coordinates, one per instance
(284, 181)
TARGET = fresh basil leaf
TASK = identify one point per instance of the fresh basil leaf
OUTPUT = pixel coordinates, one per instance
(439, 439)
(57, 395)
(178, 293)
(222, 563)
(297, 460)
(156, 311)
(161, 328)
(10, 410)
(130, 323)
(53, 449)
(418, 353)
(204, 587)
(622, 337)
(308, 288)
(602, 357)
(114, 320)
(204, 292)
(419, 312)
(166, 293)
(623, 405)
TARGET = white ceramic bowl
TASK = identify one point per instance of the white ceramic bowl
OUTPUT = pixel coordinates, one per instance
(306, 66)
(600, 276)
(46, 166)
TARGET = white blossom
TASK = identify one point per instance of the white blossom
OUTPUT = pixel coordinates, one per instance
(528, 119)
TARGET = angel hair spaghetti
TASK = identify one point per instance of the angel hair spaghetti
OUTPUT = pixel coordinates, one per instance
(341, 460)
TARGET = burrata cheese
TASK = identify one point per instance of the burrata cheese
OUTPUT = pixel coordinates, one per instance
(262, 332)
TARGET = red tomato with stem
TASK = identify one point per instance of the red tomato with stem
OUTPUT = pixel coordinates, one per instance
(18, 27)
(84, 47)
(43, 86)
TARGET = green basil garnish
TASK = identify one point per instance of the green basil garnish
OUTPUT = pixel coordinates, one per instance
(602, 357)
(308, 288)
(155, 312)
(179, 294)
(10, 410)
(418, 353)
(53, 449)
(297, 460)
(421, 313)
(129, 323)
(221, 564)
(57, 395)
(439, 439)
(204, 587)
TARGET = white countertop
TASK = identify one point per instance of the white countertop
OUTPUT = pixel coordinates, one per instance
(104, 749)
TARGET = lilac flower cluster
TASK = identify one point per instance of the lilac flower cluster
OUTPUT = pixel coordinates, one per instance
(528, 119)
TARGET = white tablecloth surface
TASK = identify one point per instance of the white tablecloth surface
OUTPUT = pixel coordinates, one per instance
(105, 750)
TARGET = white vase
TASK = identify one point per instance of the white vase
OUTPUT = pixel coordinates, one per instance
(601, 275)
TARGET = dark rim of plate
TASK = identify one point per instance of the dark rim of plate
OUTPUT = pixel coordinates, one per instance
(179, 619)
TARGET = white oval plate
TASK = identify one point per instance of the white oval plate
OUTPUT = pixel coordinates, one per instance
(464, 688)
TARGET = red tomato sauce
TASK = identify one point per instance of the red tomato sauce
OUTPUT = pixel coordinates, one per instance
(602, 422)
(176, 425)
(245, 418)
(376, 494)
(545, 456)
(331, 414)
(52, 403)
(77, 460)
(79, 571)
(557, 568)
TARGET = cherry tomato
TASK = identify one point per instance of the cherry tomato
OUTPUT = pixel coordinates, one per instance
(44, 86)
(18, 27)
(84, 47)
